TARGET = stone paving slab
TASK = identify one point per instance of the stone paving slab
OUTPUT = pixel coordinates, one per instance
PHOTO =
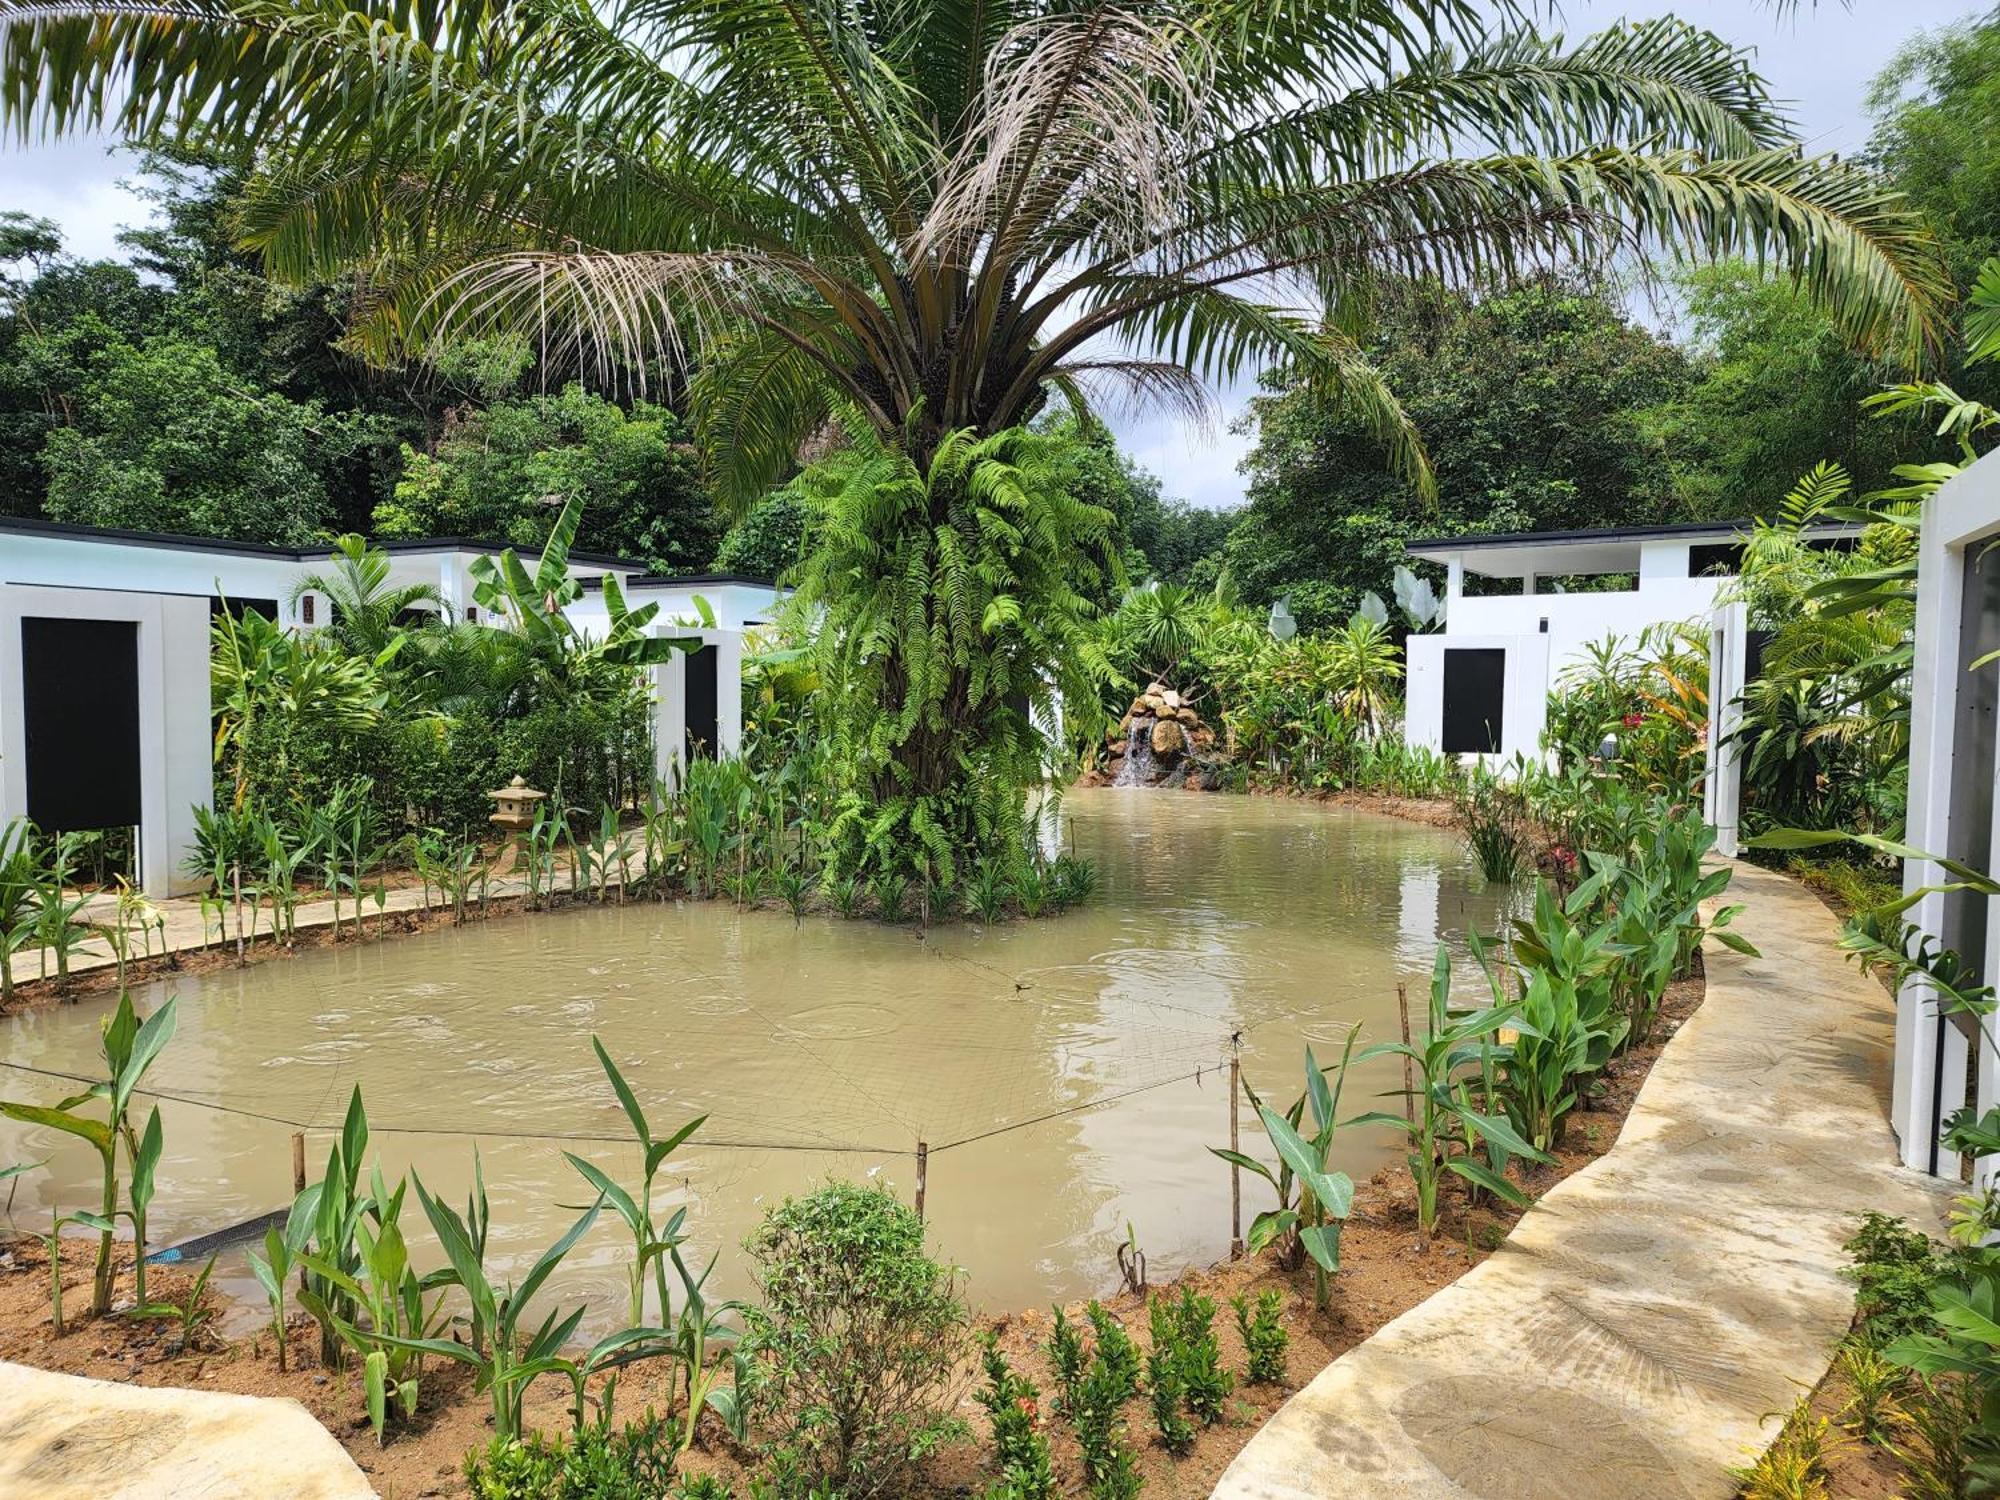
(66, 1437)
(1650, 1313)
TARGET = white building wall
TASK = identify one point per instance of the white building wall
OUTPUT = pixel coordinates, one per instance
(1544, 634)
(1933, 1059)
(174, 745)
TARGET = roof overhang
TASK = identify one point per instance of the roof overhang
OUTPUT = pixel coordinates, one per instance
(1607, 549)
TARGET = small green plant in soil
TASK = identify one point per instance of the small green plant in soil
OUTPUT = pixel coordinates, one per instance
(1020, 1452)
(1873, 1384)
(1794, 1466)
(1164, 1381)
(1109, 1466)
(191, 1315)
(1206, 1383)
(1069, 1358)
(1117, 1355)
(1264, 1338)
(635, 1462)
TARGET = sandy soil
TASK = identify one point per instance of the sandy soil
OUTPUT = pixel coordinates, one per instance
(1384, 1274)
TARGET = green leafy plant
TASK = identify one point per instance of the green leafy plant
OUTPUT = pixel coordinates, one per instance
(1109, 1466)
(653, 1238)
(1069, 1358)
(1166, 1384)
(1020, 1452)
(191, 1315)
(856, 1342)
(1442, 1107)
(1116, 1355)
(504, 1357)
(1264, 1338)
(1325, 1196)
(273, 1269)
(1206, 1383)
(129, 1048)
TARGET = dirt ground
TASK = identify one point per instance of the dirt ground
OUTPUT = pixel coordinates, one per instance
(1383, 1274)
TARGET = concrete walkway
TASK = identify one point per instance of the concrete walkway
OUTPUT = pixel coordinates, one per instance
(69, 1438)
(1650, 1312)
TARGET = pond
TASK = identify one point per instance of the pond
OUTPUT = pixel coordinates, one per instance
(1067, 1074)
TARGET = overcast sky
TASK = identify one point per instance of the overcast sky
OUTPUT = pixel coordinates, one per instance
(1819, 59)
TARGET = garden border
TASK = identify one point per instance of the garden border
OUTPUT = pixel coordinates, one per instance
(1650, 1313)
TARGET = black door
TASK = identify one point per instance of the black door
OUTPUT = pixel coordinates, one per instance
(1475, 695)
(701, 665)
(80, 702)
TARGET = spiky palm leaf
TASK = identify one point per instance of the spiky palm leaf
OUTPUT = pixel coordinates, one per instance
(935, 211)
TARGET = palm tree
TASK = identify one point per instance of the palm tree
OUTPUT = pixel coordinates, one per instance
(366, 610)
(936, 214)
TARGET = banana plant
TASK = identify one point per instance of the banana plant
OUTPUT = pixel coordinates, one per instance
(652, 1241)
(1442, 1108)
(273, 1269)
(129, 1048)
(1325, 1196)
(503, 1362)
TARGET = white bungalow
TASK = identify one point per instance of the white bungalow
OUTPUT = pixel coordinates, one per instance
(1481, 686)
(104, 694)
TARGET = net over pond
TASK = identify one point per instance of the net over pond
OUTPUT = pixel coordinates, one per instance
(1067, 1074)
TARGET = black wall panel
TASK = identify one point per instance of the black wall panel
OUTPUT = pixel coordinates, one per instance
(1475, 696)
(80, 701)
(701, 702)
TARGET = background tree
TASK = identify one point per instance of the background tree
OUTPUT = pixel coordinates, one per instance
(1537, 405)
(503, 473)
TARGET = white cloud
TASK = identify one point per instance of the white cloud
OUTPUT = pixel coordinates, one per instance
(77, 184)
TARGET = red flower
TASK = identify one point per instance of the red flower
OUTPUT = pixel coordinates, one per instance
(1633, 721)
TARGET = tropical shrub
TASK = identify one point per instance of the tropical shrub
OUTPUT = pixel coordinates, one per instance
(634, 1462)
(856, 1342)
(1264, 1338)
(1020, 1451)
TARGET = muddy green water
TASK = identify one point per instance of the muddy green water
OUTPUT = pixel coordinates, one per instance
(1068, 1074)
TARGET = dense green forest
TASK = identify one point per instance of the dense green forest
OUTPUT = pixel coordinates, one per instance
(182, 389)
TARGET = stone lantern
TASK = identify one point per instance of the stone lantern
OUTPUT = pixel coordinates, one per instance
(516, 805)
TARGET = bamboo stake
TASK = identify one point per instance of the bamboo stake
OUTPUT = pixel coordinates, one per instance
(923, 1175)
(298, 1162)
(1235, 1172)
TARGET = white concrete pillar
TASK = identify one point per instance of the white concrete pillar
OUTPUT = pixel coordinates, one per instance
(728, 691)
(1454, 576)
